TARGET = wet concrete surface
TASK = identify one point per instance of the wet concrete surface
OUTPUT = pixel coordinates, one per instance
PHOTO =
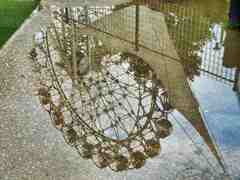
(32, 149)
(220, 105)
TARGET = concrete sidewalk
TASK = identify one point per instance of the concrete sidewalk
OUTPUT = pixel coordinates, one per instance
(31, 149)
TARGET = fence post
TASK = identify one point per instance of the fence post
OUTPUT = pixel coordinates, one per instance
(74, 51)
(86, 16)
(67, 15)
(137, 16)
(236, 86)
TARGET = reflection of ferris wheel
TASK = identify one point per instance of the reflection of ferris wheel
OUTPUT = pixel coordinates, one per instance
(114, 112)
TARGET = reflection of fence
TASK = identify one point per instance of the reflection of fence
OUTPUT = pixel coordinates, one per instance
(131, 24)
(192, 34)
(213, 68)
(212, 55)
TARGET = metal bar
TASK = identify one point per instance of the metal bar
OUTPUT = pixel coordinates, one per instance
(236, 86)
(216, 75)
(67, 15)
(137, 27)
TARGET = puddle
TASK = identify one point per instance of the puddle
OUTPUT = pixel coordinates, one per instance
(112, 106)
(112, 110)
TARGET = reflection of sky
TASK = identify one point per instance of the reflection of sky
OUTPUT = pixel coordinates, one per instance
(221, 109)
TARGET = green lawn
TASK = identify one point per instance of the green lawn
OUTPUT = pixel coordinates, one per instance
(12, 15)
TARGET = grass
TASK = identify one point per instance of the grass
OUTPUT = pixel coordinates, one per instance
(12, 15)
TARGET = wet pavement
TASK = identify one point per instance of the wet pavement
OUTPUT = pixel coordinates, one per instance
(31, 148)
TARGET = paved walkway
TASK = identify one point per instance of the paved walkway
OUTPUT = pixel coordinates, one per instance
(31, 149)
